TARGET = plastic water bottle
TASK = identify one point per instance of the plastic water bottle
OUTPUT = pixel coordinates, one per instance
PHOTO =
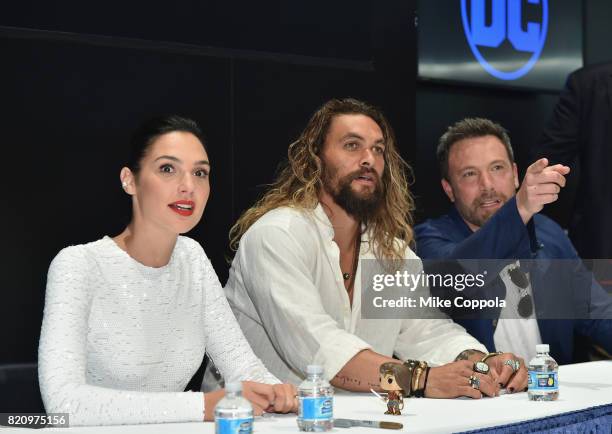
(543, 382)
(233, 414)
(316, 402)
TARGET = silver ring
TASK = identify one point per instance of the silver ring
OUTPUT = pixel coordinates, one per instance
(514, 364)
(474, 382)
(481, 368)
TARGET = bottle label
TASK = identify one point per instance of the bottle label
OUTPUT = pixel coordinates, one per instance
(234, 426)
(321, 408)
(543, 381)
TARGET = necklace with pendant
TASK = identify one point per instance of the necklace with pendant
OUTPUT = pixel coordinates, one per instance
(346, 275)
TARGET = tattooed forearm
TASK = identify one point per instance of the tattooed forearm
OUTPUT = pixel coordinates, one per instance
(344, 380)
(465, 355)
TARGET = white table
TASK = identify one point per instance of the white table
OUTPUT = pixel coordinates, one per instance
(582, 386)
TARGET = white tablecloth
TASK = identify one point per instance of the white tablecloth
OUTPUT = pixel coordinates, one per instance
(582, 386)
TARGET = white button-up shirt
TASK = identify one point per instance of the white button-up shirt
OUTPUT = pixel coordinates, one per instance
(287, 292)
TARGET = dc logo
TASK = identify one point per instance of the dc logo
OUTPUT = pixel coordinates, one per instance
(509, 30)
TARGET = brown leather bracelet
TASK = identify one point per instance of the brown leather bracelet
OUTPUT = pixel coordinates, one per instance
(426, 378)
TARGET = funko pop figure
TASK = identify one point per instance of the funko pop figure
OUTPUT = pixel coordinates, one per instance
(395, 380)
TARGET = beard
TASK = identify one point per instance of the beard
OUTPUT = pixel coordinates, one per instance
(478, 216)
(361, 205)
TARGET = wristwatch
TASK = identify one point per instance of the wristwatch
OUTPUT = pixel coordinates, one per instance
(481, 367)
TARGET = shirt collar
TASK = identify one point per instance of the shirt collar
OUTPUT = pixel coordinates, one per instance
(325, 226)
(323, 222)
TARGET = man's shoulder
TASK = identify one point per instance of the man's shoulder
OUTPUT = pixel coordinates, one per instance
(288, 223)
(291, 231)
(444, 223)
(591, 77)
(284, 217)
(408, 252)
(593, 71)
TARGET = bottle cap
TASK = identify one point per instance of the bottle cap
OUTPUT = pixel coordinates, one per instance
(314, 369)
(233, 387)
(542, 348)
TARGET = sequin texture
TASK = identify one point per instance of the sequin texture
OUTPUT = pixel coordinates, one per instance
(120, 340)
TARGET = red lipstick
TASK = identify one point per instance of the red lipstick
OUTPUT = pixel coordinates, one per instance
(183, 207)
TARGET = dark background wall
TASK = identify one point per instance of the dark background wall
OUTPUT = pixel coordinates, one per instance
(77, 77)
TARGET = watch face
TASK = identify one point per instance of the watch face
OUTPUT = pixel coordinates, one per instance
(481, 367)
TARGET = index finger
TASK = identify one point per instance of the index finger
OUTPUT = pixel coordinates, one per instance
(559, 168)
(538, 166)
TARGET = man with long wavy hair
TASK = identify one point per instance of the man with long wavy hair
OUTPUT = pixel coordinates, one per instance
(294, 287)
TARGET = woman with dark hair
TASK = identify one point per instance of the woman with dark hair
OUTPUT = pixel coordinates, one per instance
(127, 319)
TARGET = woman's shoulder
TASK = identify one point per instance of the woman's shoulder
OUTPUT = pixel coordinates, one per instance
(194, 255)
(189, 246)
(80, 261)
(191, 250)
(84, 253)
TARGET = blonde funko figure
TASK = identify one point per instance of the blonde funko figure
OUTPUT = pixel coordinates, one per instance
(395, 380)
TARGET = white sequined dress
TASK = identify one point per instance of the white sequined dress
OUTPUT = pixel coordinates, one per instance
(120, 340)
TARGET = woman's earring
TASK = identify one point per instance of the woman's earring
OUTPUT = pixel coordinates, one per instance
(124, 184)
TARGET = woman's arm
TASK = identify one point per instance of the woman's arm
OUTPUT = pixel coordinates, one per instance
(62, 358)
(233, 356)
(225, 342)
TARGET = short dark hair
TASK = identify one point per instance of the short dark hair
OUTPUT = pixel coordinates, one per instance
(151, 129)
(469, 128)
